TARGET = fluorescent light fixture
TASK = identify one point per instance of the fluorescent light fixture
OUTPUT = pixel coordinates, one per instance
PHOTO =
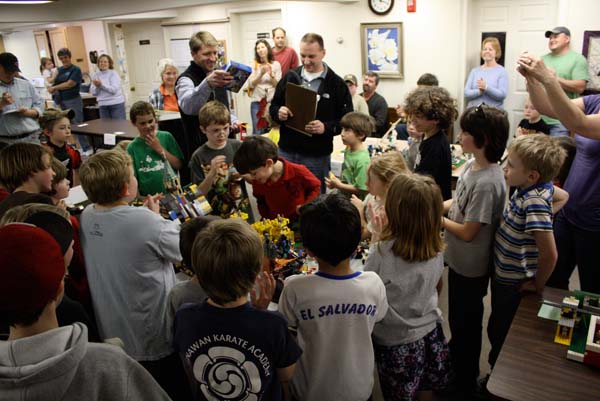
(26, 1)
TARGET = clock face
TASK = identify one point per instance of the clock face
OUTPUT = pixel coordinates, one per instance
(381, 6)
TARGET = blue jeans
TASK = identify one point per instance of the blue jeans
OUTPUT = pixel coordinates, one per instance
(113, 111)
(558, 130)
(254, 107)
(77, 106)
(318, 165)
(575, 246)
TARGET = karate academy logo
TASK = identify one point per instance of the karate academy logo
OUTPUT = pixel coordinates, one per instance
(226, 374)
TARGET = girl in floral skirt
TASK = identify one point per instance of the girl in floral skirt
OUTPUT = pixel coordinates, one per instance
(410, 349)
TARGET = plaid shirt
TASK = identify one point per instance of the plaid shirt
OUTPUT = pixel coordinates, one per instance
(157, 100)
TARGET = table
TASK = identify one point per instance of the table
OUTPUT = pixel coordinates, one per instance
(123, 129)
(337, 157)
(532, 367)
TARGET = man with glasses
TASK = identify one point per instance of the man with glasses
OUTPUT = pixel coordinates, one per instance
(570, 68)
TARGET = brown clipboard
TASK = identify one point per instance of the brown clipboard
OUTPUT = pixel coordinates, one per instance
(302, 102)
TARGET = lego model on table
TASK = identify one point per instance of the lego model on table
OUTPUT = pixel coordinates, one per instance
(281, 257)
(181, 204)
(579, 327)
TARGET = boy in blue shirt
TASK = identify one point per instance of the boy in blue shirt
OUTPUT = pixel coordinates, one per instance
(226, 333)
(524, 247)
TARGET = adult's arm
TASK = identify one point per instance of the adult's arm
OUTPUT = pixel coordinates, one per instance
(572, 85)
(569, 112)
(471, 90)
(191, 98)
(498, 92)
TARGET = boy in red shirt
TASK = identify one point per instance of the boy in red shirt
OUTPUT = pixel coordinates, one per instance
(280, 186)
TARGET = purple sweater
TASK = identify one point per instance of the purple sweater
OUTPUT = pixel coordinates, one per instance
(583, 182)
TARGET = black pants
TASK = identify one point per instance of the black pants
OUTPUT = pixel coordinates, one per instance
(169, 373)
(505, 302)
(579, 247)
(465, 305)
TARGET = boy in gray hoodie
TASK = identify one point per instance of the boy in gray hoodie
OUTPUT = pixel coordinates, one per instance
(41, 361)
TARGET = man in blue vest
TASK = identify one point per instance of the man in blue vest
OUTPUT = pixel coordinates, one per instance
(201, 82)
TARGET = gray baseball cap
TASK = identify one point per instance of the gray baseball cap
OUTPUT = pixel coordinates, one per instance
(557, 30)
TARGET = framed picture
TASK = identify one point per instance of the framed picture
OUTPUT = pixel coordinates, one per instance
(381, 49)
(591, 51)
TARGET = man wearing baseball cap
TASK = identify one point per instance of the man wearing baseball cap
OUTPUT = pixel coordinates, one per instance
(40, 360)
(20, 104)
(570, 68)
(358, 102)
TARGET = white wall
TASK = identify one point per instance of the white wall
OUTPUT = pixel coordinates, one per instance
(22, 45)
(432, 35)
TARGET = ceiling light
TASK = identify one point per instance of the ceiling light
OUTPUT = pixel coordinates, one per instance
(26, 1)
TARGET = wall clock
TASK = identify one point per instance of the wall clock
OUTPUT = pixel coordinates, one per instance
(381, 7)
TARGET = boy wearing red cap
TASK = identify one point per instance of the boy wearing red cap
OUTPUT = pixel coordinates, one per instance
(41, 361)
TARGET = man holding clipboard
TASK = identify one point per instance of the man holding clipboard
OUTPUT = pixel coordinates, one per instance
(311, 146)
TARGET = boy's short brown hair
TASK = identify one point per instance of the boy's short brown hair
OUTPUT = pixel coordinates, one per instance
(539, 152)
(60, 171)
(19, 161)
(361, 124)
(254, 153)
(140, 108)
(227, 257)
(188, 233)
(213, 112)
(51, 116)
(104, 175)
(432, 103)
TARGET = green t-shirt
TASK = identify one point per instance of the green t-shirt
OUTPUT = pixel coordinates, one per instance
(571, 66)
(149, 165)
(354, 169)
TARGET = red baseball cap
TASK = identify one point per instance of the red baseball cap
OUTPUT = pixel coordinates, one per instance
(32, 267)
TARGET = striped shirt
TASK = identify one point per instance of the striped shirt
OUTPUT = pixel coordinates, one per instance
(515, 250)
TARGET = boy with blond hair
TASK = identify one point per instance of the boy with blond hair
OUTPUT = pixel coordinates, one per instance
(129, 255)
(279, 186)
(225, 332)
(533, 122)
(524, 247)
(356, 127)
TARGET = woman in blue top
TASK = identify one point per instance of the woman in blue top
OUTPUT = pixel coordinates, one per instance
(106, 86)
(488, 83)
